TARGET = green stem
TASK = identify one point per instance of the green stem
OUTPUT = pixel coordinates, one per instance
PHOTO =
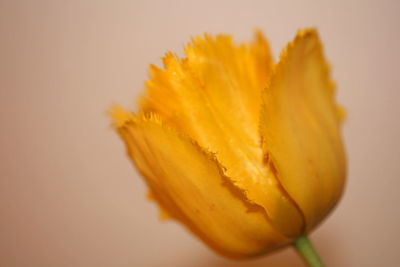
(307, 252)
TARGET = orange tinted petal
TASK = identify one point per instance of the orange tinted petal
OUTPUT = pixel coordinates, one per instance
(300, 128)
(189, 183)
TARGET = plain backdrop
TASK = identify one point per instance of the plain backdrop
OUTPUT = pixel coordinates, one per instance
(69, 196)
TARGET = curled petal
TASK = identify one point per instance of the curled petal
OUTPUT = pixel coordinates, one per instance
(190, 185)
(300, 128)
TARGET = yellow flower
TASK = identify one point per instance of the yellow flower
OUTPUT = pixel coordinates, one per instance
(246, 153)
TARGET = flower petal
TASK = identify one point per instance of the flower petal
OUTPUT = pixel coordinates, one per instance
(189, 184)
(214, 96)
(228, 80)
(300, 128)
(232, 78)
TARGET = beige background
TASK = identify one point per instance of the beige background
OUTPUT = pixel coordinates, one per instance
(70, 197)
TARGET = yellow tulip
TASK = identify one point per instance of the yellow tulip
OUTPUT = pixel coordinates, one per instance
(244, 152)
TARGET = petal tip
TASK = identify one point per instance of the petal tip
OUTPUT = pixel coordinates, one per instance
(119, 116)
(307, 32)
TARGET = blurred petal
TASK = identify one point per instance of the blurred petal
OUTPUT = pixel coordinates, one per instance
(300, 128)
(189, 183)
(214, 96)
